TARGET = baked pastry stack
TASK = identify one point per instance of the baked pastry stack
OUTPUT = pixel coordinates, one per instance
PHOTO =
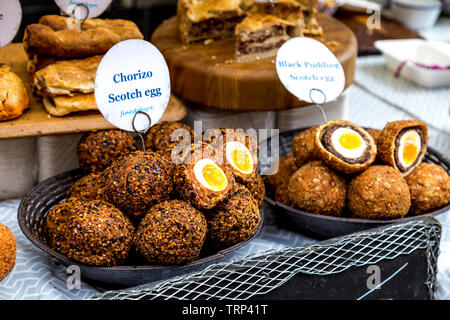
(260, 27)
(13, 95)
(64, 61)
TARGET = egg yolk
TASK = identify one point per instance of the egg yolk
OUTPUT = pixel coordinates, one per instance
(410, 150)
(241, 160)
(214, 177)
(350, 141)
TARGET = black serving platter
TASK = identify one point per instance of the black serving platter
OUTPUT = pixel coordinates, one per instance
(326, 227)
(37, 203)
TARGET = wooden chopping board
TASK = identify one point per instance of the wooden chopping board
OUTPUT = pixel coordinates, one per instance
(207, 75)
(37, 122)
(390, 29)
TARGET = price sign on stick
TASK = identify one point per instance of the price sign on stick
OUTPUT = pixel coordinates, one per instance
(83, 8)
(132, 85)
(10, 19)
(310, 71)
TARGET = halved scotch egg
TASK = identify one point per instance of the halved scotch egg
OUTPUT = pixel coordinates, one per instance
(210, 175)
(344, 146)
(240, 160)
(403, 144)
(203, 181)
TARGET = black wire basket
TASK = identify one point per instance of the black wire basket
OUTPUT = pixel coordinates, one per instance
(326, 227)
(37, 203)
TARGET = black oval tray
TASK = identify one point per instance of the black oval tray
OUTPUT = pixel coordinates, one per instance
(326, 227)
(31, 216)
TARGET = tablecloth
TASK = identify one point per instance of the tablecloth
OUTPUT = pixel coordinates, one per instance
(375, 98)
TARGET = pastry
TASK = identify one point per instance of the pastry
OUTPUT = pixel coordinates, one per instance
(289, 10)
(59, 106)
(311, 26)
(67, 86)
(67, 77)
(260, 36)
(207, 19)
(51, 36)
(14, 97)
(403, 144)
(344, 146)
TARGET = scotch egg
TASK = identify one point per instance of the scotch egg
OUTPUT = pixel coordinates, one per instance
(403, 144)
(345, 146)
(239, 157)
(210, 175)
(203, 182)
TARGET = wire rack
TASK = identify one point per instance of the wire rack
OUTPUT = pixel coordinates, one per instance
(259, 274)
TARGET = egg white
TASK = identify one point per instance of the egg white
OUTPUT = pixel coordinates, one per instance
(417, 143)
(235, 145)
(347, 153)
(198, 173)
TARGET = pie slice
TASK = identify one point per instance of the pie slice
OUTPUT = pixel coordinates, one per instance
(208, 19)
(63, 105)
(311, 26)
(67, 77)
(260, 36)
(289, 10)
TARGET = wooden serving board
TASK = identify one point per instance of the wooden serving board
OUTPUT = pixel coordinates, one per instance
(390, 29)
(37, 122)
(206, 74)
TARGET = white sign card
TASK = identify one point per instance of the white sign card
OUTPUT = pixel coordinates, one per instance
(78, 7)
(10, 19)
(132, 76)
(309, 70)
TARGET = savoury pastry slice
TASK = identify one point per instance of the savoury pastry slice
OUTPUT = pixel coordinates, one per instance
(207, 19)
(67, 77)
(63, 105)
(14, 97)
(311, 25)
(289, 10)
(52, 37)
(260, 36)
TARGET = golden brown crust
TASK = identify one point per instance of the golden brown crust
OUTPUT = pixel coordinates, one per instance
(14, 99)
(386, 142)
(234, 220)
(8, 249)
(59, 106)
(140, 180)
(96, 151)
(375, 133)
(51, 37)
(172, 232)
(380, 192)
(317, 189)
(303, 146)
(429, 185)
(257, 188)
(92, 232)
(67, 77)
(334, 162)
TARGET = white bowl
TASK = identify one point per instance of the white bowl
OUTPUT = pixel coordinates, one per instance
(416, 14)
(414, 59)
